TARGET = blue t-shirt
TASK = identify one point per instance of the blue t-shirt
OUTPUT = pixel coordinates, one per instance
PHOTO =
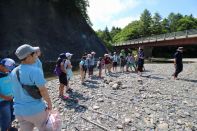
(6, 86)
(24, 104)
(92, 61)
(69, 73)
(38, 63)
(82, 62)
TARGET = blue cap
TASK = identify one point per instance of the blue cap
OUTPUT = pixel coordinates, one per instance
(8, 63)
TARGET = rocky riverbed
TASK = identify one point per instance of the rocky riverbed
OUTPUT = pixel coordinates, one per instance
(118, 102)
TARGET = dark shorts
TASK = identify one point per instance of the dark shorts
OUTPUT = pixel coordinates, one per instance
(6, 114)
(91, 68)
(123, 64)
(140, 68)
(115, 64)
(140, 65)
(63, 79)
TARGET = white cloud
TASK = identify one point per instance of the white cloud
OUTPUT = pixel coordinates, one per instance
(102, 12)
(122, 22)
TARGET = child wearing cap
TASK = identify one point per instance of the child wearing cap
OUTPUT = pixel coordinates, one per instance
(83, 69)
(62, 75)
(115, 61)
(100, 66)
(68, 68)
(6, 96)
(91, 64)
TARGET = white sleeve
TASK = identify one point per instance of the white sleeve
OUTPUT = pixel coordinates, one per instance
(65, 64)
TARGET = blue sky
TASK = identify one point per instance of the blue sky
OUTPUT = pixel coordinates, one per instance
(119, 13)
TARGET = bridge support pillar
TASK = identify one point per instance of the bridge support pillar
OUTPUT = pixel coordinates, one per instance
(148, 52)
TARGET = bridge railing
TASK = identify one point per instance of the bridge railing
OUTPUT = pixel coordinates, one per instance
(161, 37)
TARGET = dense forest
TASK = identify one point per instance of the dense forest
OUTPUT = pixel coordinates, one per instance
(148, 25)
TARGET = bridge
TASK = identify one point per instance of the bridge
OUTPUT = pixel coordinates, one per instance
(180, 38)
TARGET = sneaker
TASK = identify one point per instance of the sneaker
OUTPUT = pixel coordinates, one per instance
(64, 97)
(83, 83)
(69, 90)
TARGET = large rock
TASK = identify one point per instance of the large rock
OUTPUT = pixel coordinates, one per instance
(54, 25)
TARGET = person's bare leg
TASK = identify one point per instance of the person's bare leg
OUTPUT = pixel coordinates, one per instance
(61, 90)
(67, 87)
(83, 77)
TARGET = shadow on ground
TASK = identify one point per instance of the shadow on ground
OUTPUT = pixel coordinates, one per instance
(74, 100)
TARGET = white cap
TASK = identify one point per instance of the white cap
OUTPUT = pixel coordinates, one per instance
(68, 54)
(24, 50)
(106, 54)
(93, 53)
(89, 55)
(37, 48)
(180, 49)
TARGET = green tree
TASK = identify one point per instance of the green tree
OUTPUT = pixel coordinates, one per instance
(105, 37)
(114, 31)
(173, 21)
(165, 25)
(82, 6)
(131, 31)
(156, 24)
(145, 23)
(186, 23)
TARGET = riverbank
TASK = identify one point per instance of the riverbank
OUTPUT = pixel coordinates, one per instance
(165, 60)
(120, 103)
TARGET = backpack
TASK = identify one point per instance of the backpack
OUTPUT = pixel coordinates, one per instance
(57, 71)
(84, 66)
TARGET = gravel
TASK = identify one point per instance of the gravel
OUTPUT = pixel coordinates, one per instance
(119, 102)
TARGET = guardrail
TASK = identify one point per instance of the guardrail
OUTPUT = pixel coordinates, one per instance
(161, 37)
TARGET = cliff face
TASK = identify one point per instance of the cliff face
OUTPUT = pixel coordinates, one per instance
(48, 24)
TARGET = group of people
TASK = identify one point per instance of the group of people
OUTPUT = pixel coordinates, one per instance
(110, 62)
(23, 90)
(133, 62)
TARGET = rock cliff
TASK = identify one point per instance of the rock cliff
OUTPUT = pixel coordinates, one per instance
(54, 25)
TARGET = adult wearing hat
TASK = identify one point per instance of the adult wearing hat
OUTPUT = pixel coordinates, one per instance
(178, 64)
(140, 63)
(83, 69)
(6, 95)
(30, 111)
